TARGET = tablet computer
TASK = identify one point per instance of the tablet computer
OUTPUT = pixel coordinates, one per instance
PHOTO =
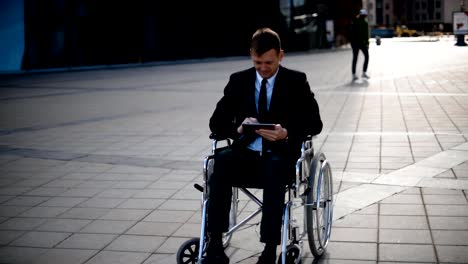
(252, 127)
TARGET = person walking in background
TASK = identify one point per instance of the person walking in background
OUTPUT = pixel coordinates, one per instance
(360, 42)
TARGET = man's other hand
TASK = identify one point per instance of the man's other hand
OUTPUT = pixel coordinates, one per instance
(279, 133)
(247, 120)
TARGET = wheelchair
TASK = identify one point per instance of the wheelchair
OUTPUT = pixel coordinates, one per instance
(308, 209)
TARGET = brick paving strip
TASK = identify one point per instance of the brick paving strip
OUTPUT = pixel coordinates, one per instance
(420, 174)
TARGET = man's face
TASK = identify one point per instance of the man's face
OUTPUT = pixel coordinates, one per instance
(267, 64)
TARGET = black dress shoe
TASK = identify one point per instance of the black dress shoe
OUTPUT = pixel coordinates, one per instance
(215, 253)
(219, 258)
(267, 258)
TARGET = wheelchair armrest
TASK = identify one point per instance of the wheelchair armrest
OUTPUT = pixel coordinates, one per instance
(216, 139)
(214, 136)
(307, 143)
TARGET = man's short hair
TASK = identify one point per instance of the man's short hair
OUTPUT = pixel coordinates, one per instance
(265, 39)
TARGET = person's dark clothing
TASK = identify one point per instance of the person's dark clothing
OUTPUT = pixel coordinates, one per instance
(294, 107)
(360, 41)
(365, 52)
(243, 167)
(360, 31)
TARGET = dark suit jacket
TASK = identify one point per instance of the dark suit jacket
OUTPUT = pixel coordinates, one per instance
(292, 105)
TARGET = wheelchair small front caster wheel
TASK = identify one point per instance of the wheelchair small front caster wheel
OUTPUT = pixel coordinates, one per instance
(188, 252)
(293, 255)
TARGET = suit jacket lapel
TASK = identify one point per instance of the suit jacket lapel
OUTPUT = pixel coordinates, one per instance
(252, 104)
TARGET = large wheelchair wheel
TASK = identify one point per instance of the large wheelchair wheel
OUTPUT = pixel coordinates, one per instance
(188, 252)
(319, 200)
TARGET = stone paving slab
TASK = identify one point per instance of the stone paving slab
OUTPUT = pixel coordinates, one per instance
(98, 166)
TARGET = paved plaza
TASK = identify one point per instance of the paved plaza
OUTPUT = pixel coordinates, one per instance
(97, 166)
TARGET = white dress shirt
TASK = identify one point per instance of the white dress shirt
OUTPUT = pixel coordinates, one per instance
(256, 145)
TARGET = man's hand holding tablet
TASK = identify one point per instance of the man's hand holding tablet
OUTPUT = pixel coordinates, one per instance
(249, 128)
(271, 132)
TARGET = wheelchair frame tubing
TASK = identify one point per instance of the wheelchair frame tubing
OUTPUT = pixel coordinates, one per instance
(285, 238)
(202, 232)
(249, 217)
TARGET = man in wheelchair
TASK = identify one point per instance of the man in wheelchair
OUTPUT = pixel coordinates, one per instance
(259, 158)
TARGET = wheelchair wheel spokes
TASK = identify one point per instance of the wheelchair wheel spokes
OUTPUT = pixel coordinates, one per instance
(317, 241)
(320, 197)
(320, 213)
(188, 252)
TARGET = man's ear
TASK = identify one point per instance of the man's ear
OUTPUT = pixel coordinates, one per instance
(281, 54)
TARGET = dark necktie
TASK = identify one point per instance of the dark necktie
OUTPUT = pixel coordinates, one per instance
(262, 110)
(262, 102)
